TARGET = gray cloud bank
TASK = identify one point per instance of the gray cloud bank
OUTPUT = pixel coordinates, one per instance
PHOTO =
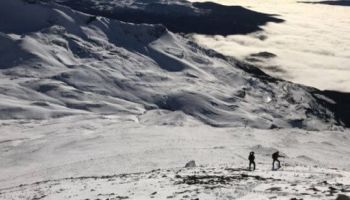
(312, 47)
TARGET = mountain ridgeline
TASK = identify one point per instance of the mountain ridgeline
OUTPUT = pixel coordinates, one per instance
(179, 16)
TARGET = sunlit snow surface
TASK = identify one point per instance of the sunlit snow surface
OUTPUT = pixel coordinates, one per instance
(312, 45)
(95, 157)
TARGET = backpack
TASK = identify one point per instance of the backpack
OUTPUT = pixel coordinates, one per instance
(275, 155)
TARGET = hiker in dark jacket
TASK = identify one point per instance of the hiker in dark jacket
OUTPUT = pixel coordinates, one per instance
(275, 157)
(251, 159)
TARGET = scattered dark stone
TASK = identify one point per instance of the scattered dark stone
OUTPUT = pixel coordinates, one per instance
(274, 126)
(342, 197)
(91, 19)
(211, 180)
(241, 93)
(345, 190)
(314, 189)
(190, 164)
(38, 198)
(155, 170)
(207, 180)
(122, 197)
(262, 37)
(182, 192)
(263, 54)
(278, 189)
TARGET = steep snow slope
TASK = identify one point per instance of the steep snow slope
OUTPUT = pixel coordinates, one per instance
(62, 62)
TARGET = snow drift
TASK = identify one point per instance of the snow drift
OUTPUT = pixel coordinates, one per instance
(56, 62)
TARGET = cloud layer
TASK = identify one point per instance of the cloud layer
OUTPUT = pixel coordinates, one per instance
(312, 46)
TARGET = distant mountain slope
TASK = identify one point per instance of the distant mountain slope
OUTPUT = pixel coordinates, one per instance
(332, 2)
(178, 16)
(56, 62)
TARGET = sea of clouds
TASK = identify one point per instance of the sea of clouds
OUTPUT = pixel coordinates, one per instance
(312, 45)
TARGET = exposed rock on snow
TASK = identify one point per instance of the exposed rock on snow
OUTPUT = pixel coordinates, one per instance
(342, 197)
(62, 62)
(190, 164)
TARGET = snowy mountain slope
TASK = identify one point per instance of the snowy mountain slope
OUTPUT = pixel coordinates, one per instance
(63, 62)
(119, 98)
(76, 156)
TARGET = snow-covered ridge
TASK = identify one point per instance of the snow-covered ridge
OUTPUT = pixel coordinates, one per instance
(56, 62)
(179, 16)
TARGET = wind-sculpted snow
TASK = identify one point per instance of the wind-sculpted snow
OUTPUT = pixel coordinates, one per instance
(63, 62)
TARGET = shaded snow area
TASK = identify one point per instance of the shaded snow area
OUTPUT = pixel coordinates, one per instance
(116, 158)
(57, 62)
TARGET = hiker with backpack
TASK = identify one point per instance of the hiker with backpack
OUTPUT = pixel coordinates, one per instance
(251, 159)
(275, 157)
